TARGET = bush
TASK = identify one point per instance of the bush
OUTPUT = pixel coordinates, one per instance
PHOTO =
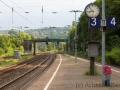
(98, 59)
(9, 51)
(21, 49)
(1, 51)
(113, 57)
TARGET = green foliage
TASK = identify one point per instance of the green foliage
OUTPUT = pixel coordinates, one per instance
(113, 57)
(112, 36)
(8, 62)
(72, 32)
(9, 51)
(13, 61)
(113, 41)
(14, 41)
(43, 48)
(21, 49)
(1, 51)
(98, 59)
(57, 32)
(12, 32)
(50, 46)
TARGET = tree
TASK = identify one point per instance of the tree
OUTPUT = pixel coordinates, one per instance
(1, 51)
(12, 32)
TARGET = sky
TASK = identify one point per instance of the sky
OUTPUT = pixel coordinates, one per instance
(28, 13)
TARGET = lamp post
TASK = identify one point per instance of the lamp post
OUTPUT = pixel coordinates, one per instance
(65, 41)
(68, 39)
(51, 31)
(52, 27)
(75, 11)
(20, 36)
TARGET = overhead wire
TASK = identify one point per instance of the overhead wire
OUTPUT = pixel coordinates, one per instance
(39, 6)
(22, 9)
(16, 5)
(35, 6)
(46, 4)
(57, 2)
(20, 14)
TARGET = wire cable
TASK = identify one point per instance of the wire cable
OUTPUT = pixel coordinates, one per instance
(47, 4)
(19, 14)
(16, 5)
(22, 9)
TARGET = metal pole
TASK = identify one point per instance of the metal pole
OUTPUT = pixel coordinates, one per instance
(68, 39)
(75, 40)
(19, 39)
(12, 14)
(68, 45)
(42, 14)
(103, 42)
(65, 42)
(20, 36)
(51, 33)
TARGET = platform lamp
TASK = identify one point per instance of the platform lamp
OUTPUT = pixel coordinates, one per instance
(75, 11)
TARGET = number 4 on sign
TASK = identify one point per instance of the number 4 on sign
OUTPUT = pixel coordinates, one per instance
(112, 22)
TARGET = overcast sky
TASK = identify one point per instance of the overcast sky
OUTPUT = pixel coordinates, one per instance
(33, 19)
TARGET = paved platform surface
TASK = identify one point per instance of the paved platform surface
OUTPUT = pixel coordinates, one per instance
(70, 76)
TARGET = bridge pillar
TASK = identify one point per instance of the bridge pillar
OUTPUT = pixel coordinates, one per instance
(34, 48)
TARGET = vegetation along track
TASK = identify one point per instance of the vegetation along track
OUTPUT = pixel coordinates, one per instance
(18, 76)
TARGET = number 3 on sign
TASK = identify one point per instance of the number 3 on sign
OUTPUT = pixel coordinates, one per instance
(94, 22)
(113, 21)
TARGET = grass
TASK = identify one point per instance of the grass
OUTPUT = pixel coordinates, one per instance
(12, 61)
(75, 63)
(96, 73)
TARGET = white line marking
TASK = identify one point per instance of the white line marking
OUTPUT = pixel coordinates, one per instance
(46, 87)
(83, 60)
(115, 71)
(100, 65)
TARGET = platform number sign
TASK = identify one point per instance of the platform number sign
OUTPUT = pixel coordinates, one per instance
(94, 22)
(112, 22)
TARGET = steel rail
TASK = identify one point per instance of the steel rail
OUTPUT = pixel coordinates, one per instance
(12, 81)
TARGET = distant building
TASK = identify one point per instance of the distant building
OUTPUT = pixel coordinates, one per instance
(2, 33)
(36, 33)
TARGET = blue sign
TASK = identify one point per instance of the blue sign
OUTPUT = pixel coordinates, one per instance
(112, 22)
(94, 22)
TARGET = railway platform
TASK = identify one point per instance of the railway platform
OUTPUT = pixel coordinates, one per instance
(65, 74)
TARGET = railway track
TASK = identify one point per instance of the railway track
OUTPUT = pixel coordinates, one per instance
(20, 64)
(17, 76)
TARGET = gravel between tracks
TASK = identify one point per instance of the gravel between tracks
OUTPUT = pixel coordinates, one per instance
(5, 78)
